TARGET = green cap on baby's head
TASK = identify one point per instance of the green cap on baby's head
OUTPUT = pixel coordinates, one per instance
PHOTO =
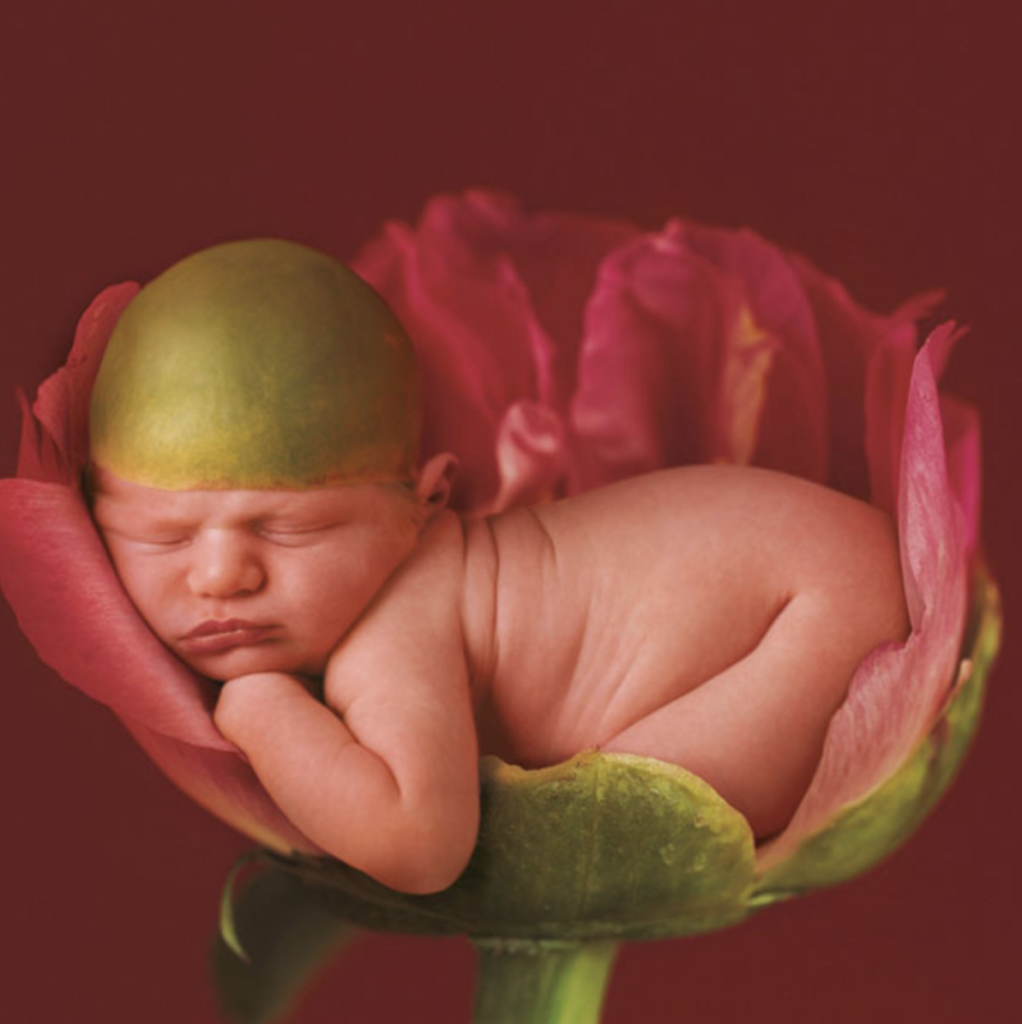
(253, 365)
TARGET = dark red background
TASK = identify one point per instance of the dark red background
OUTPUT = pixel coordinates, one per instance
(885, 146)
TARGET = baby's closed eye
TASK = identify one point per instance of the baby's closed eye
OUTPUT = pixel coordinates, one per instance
(146, 539)
(166, 543)
(296, 533)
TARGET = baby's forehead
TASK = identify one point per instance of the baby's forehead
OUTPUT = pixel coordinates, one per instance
(113, 493)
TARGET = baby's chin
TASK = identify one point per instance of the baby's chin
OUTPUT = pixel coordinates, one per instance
(269, 656)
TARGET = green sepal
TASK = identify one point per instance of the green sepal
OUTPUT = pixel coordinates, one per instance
(601, 846)
(866, 832)
(228, 918)
(273, 938)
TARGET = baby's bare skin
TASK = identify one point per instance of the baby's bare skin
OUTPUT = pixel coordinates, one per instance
(709, 616)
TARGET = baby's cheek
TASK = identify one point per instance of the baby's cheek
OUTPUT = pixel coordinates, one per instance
(146, 585)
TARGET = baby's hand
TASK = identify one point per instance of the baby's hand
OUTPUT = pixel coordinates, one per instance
(253, 680)
(249, 700)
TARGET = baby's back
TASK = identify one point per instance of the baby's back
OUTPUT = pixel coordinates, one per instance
(595, 611)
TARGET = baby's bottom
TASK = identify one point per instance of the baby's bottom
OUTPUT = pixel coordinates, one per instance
(755, 731)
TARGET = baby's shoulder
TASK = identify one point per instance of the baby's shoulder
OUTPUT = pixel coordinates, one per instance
(440, 551)
(455, 567)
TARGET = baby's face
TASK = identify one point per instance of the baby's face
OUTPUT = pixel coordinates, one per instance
(235, 582)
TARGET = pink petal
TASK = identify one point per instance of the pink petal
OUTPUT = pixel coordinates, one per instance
(930, 521)
(867, 360)
(225, 785)
(531, 455)
(58, 579)
(453, 311)
(887, 385)
(649, 365)
(62, 406)
(962, 438)
(556, 257)
(688, 360)
(463, 282)
(899, 690)
(918, 307)
(792, 430)
(39, 458)
(887, 388)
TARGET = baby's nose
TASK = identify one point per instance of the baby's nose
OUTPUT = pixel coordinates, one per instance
(225, 566)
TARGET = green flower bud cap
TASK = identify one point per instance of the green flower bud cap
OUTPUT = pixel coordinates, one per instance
(257, 365)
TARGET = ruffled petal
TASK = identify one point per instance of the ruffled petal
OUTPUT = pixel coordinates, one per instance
(472, 337)
(900, 689)
(58, 578)
(887, 387)
(555, 256)
(62, 405)
(531, 455)
(792, 423)
(39, 458)
(492, 299)
(649, 364)
(962, 438)
(930, 520)
(867, 360)
(701, 352)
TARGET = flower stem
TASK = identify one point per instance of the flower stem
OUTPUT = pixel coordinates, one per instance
(541, 982)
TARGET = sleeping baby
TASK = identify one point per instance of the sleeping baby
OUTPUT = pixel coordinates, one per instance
(256, 479)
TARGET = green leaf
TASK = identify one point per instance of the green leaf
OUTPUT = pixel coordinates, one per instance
(273, 939)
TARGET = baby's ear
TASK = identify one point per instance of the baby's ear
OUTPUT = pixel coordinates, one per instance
(434, 484)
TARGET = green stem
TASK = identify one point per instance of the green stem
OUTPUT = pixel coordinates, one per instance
(525, 982)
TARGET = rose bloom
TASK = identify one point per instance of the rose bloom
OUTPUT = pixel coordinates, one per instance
(559, 353)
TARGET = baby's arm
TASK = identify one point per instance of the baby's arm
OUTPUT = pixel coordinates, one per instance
(383, 775)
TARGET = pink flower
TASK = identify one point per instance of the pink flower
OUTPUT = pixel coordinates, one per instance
(560, 353)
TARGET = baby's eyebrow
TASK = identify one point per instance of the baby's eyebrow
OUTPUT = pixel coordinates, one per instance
(166, 524)
(289, 520)
(109, 512)
(138, 524)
